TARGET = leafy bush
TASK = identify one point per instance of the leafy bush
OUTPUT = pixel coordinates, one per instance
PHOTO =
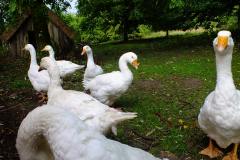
(142, 31)
(113, 32)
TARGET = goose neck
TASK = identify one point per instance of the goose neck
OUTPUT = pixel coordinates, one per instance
(55, 81)
(52, 54)
(33, 57)
(124, 67)
(225, 83)
(90, 60)
(223, 64)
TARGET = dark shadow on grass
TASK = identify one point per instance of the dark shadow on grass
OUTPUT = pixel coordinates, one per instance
(126, 102)
(187, 39)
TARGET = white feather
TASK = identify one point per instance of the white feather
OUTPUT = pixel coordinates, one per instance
(39, 80)
(220, 115)
(110, 86)
(66, 67)
(48, 133)
(97, 115)
(92, 70)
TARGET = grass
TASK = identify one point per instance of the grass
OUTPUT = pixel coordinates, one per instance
(174, 78)
(173, 33)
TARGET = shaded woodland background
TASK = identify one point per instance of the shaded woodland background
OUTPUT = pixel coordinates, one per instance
(107, 20)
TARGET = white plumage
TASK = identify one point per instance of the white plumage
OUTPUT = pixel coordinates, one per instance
(95, 114)
(39, 80)
(110, 86)
(92, 70)
(219, 117)
(49, 133)
(66, 67)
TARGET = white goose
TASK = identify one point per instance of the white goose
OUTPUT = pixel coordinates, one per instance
(39, 80)
(110, 86)
(52, 133)
(95, 114)
(66, 67)
(92, 70)
(219, 117)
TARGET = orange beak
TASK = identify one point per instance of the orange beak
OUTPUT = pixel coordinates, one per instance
(83, 51)
(222, 42)
(135, 63)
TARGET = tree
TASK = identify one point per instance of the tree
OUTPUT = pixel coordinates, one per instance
(164, 15)
(21, 5)
(12, 9)
(160, 14)
(4, 15)
(114, 12)
(205, 12)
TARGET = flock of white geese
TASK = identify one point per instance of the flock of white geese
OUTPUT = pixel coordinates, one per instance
(72, 125)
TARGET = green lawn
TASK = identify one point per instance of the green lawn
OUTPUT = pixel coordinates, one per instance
(174, 78)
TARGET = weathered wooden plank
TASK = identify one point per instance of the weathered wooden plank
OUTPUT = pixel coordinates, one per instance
(13, 48)
(60, 40)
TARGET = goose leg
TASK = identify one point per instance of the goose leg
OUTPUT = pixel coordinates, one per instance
(211, 151)
(42, 97)
(233, 154)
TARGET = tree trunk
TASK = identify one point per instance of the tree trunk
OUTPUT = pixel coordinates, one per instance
(125, 30)
(167, 33)
(238, 23)
(238, 15)
(129, 5)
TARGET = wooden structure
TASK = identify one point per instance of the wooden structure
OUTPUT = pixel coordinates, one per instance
(58, 33)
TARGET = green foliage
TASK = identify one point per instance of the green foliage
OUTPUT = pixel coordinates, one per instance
(87, 31)
(4, 14)
(104, 20)
(143, 30)
(121, 13)
(76, 23)
(22, 5)
(113, 32)
(210, 14)
(11, 10)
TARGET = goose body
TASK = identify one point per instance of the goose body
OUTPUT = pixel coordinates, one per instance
(39, 80)
(97, 115)
(65, 67)
(92, 70)
(110, 86)
(219, 117)
(53, 133)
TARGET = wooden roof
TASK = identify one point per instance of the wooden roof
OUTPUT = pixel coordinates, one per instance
(7, 34)
(54, 18)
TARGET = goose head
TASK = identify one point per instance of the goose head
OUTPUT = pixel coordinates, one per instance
(86, 49)
(46, 63)
(28, 47)
(131, 58)
(223, 43)
(47, 48)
